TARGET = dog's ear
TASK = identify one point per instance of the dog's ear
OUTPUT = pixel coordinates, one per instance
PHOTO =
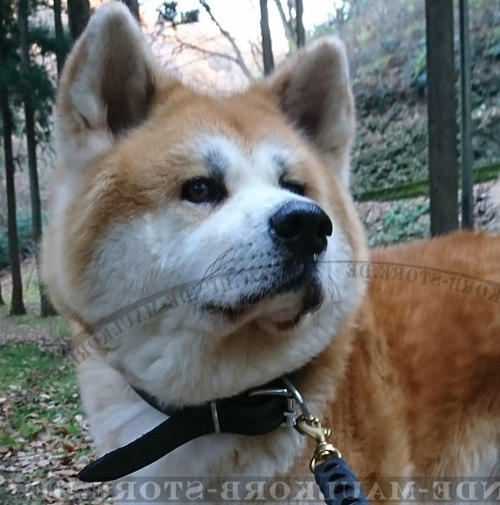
(107, 86)
(314, 92)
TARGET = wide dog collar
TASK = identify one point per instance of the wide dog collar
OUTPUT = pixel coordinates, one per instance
(255, 412)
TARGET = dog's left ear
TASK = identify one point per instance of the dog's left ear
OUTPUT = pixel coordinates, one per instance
(314, 92)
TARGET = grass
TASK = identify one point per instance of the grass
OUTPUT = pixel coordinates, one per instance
(56, 325)
(39, 395)
(31, 290)
(421, 188)
(44, 439)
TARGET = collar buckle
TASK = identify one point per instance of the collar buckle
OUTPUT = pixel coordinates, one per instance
(293, 397)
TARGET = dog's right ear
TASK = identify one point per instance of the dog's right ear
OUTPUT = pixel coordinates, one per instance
(313, 90)
(107, 86)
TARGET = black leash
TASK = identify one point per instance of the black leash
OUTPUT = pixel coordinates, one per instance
(338, 483)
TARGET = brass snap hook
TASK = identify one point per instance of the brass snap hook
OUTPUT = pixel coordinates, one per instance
(312, 427)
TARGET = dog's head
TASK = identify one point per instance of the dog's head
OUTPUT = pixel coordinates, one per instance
(207, 240)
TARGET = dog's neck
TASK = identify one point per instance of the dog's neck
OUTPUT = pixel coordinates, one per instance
(131, 416)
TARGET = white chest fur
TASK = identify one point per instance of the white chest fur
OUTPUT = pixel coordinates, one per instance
(118, 416)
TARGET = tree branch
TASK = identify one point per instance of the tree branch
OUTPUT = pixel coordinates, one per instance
(287, 25)
(239, 57)
(208, 52)
(257, 55)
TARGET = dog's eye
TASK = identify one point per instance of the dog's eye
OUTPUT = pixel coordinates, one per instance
(293, 186)
(203, 190)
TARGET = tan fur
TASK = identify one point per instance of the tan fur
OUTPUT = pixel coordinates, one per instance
(409, 384)
(425, 362)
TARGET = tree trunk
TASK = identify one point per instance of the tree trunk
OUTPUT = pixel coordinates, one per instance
(2, 302)
(29, 114)
(17, 304)
(466, 153)
(267, 48)
(60, 42)
(441, 111)
(299, 24)
(78, 15)
(133, 7)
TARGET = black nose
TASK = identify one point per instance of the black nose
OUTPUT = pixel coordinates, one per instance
(302, 227)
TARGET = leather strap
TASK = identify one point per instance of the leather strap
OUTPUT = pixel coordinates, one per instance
(240, 415)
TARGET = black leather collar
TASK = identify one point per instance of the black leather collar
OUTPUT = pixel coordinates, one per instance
(168, 410)
(244, 414)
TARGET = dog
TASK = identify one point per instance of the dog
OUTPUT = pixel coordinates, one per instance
(235, 212)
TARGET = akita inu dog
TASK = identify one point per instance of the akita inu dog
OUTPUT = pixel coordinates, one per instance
(211, 246)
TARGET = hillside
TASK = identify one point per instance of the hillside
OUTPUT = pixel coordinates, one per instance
(386, 42)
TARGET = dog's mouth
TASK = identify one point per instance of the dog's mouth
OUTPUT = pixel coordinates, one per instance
(300, 277)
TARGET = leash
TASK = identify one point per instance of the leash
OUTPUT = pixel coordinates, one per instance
(336, 480)
(255, 412)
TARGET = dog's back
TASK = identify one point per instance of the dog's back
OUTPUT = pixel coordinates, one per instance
(421, 394)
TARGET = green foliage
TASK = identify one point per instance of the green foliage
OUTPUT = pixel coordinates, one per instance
(494, 50)
(9, 42)
(25, 233)
(4, 251)
(25, 236)
(43, 95)
(387, 52)
(390, 147)
(403, 222)
(37, 81)
(419, 64)
(375, 67)
(492, 36)
(398, 192)
(168, 13)
(478, 3)
(482, 173)
(44, 38)
(492, 42)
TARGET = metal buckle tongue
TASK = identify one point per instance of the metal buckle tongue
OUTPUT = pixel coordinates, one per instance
(292, 396)
(305, 423)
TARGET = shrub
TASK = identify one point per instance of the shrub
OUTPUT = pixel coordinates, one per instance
(25, 237)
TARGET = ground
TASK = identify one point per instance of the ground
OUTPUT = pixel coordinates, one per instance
(43, 434)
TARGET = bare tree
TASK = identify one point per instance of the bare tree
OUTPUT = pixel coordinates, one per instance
(238, 57)
(29, 114)
(267, 48)
(78, 16)
(288, 23)
(59, 32)
(292, 23)
(133, 6)
(299, 25)
(17, 304)
(169, 17)
(256, 50)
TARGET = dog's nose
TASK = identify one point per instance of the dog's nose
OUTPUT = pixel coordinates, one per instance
(302, 227)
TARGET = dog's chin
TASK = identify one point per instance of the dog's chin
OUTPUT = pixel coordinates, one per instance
(280, 305)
